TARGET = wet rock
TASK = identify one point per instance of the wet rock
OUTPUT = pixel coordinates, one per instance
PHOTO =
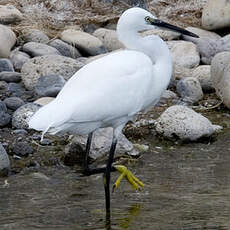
(10, 76)
(15, 89)
(203, 74)
(216, 15)
(102, 141)
(18, 59)
(7, 41)
(22, 115)
(13, 103)
(181, 122)
(35, 49)
(87, 44)
(9, 14)
(48, 65)
(6, 65)
(22, 148)
(44, 100)
(190, 89)
(184, 54)
(65, 49)
(109, 39)
(4, 161)
(49, 86)
(220, 76)
(34, 35)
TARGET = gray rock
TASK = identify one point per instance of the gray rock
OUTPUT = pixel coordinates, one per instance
(35, 49)
(190, 89)
(22, 115)
(201, 33)
(49, 86)
(102, 141)
(4, 161)
(3, 85)
(184, 54)
(203, 74)
(181, 122)
(166, 96)
(15, 89)
(108, 38)
(4, 116)
(13, 103)
(87, 44)
(216, 15)
(220, 76)
(18, 59)
(10, 76)
(6, 65)
(19, 132)
(7, 41)
(9, 14)
(65, 49)
(34, 35)
(47, 65)
(22, 148)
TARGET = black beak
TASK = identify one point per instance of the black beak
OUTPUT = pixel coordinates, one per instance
(162, 24)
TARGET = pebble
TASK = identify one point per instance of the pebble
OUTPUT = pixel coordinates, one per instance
(14, 103)
(6, 65)
(10, 76)
(181, 122)
(50, 85)
(22, 148)
(34, 35)
(35, 49)
(15, 89)
(22, 115)
(18, 59)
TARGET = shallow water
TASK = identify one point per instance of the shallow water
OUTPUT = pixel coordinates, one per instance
(186, 187)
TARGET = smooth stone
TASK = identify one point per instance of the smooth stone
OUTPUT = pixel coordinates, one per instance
(9, 14)
(34, 35)
(5, 118)
(18, 59)
(15, 89)
(44, 100)
(201, 33)
(180, 72)
(109, 39)
(203, 74)
(220, 76)
(7, 41)
(48, 65)
(3, 107)
(87, 44)
(166, 96)
(4, 161)
(65, 49)
(184, 54)
(10, 76)
(190, 89)
(13, 103)
(23, 114)
(35, 49)
(181, 122)
(50, 85)
(101, 143)
(6, 65)
(19, 132)
(3, 85)
(216, 15)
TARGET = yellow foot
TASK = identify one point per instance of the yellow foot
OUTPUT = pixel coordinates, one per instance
(136, 183)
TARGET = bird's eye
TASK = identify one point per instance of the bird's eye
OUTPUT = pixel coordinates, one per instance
(147, 19)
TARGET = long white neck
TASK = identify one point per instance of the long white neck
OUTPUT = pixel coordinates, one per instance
(154, 47)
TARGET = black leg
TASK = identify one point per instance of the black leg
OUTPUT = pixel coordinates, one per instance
(87, 151)
(108, 170)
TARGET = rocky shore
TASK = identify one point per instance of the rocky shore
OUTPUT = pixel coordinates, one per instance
(34, 67)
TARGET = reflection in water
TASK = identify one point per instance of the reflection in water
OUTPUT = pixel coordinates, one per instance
(187, 187)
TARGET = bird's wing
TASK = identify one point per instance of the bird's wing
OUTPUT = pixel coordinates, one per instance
(107, 88)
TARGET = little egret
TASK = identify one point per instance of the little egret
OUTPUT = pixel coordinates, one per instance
(110, 91)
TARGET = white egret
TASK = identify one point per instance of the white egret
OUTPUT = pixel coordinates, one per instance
(110, 91)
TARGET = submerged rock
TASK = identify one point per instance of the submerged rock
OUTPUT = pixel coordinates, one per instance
(181, 122)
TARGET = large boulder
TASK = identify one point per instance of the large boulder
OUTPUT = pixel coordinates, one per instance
(7, 41)
(46, 65)
(181, 122)
(216, 14)
(87, 44)
(220, 76)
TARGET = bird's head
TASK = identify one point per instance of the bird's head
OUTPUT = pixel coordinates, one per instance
(138, 19)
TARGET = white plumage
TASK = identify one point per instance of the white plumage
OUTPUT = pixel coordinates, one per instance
(111, 90)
